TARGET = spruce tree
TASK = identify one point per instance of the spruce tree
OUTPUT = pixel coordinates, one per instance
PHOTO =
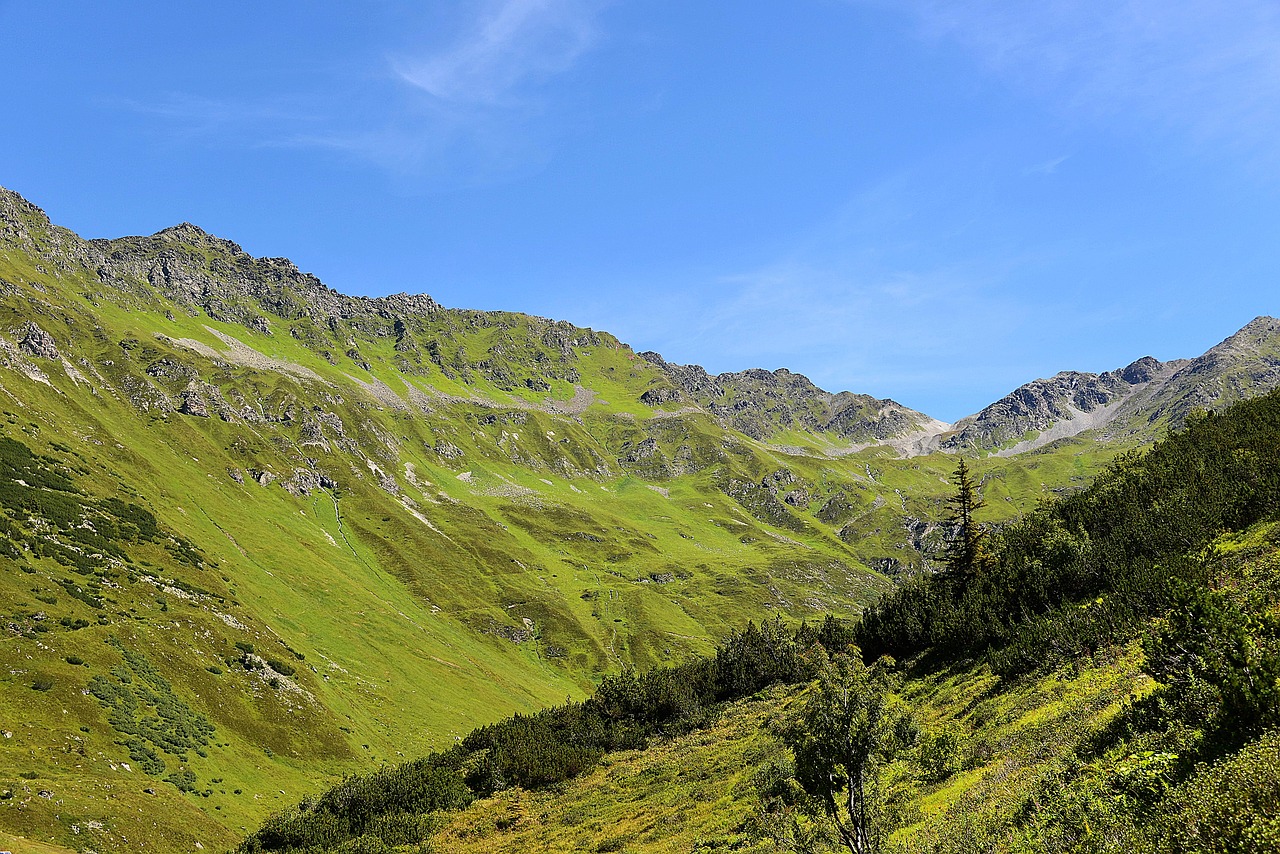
(966, 552)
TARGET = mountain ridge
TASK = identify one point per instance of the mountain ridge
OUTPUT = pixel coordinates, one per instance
(341, 529)
(204, 272)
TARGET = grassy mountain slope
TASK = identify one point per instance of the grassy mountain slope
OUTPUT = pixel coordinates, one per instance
(703, 791)
(255, 534)
(1135, 708)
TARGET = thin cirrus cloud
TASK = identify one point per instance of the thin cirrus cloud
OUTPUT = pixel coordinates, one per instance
(476, 112)
(510, 44)
(1203, 68)
(467, 112)
(467, 108)
(194, 115)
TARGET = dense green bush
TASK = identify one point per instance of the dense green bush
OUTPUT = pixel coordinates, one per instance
(142, 707)
(553, 745)
(36, 487)
(1231, 806)
(1114, 546)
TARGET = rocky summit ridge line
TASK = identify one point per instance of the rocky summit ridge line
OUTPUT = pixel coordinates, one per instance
(256, 534)
(186, 266)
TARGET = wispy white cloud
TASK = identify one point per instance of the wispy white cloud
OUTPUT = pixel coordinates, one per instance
(844, 322)
(511, 43)
(1048, 167)
(200, 115)
(1201, 67)
(466, 112)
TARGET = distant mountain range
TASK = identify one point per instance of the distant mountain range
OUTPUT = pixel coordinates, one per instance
(313, 531)
(1140, 399)
(195, 271)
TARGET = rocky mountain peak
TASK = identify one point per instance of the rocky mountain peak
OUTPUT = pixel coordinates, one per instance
(190, 235)
(1140, 371)
(183, 231)
(761, 402)
(14, 208)
(1060, 406)
(26, 227)
(1258, 335)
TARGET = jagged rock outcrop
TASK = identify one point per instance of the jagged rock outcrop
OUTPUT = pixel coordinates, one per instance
(188, 266)
(1242, 366)
(761, 403)
(192, 402)
(1145, 396)
(184, 268)
(1073, 399)
(34, 341)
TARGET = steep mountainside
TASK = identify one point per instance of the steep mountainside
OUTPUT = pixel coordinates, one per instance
(1104, 680)
(255, 534)
(1139, 400)
(1064, 405)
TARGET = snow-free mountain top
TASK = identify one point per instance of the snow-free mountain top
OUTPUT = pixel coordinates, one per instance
(320, 531)
(1140, 399)
(188, 269)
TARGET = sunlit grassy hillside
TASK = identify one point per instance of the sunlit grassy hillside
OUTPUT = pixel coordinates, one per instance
(255, 535)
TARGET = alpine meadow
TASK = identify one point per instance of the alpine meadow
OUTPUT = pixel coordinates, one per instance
(523, 426)
(285, 570)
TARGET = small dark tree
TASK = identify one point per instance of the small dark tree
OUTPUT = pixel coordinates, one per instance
(850, 727)
(966, 553)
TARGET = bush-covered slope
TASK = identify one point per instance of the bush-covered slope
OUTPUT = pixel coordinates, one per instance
(1109, 680)
(256, 534)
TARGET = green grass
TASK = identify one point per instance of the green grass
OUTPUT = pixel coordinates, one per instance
(700, 791)
(409, 610)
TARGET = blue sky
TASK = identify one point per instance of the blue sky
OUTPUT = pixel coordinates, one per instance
(930, 201)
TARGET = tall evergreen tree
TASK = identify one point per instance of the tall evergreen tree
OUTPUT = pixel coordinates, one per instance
(966, 552)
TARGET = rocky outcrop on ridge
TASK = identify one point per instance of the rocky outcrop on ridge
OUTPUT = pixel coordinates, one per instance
(1245, 365)
(1140, 399)
(1082, 400)
(184, 268)
(761, 403)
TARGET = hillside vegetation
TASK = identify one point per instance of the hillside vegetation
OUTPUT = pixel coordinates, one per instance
(1108, 681)
(256, 535)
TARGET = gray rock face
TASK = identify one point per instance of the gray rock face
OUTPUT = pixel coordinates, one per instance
(1142, 398)
(1040, 404)
(447, 450)
(303, 482)
(192, 402)
(797, 497)
(642, 450)
(661, 395)
(1245, 365)
(36, 342)
(761, 403)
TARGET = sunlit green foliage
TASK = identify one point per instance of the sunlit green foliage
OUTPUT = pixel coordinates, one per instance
(850, 726)
(1087, 570)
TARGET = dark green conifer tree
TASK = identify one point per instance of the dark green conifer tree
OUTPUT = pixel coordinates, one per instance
(966, 553)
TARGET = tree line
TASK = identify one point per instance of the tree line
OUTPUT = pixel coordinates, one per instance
(1127, 557)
